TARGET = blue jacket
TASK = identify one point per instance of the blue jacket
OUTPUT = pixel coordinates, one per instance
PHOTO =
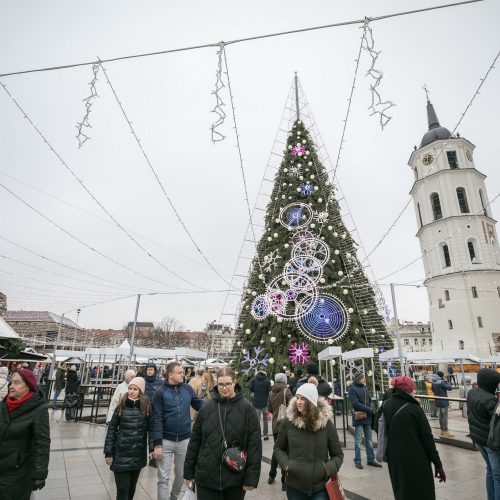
(152, 383)
(260, 388)
(171, 412)
(441, 388)
(360, 401)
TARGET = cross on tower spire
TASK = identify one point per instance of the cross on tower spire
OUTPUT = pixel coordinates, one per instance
(426, 92)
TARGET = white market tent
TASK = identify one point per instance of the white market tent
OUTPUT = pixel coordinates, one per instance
(6, 332)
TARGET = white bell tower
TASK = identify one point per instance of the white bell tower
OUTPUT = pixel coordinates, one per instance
(458, 241)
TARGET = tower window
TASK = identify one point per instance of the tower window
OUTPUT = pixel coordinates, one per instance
(480, 321)
(446, 295)
(452, 159)
(416, 341)
(446, 256)
(419, 215)
(474, 292)
(450, 324)
(436, 206)
(472, 251)
(483, 205)
(461, 345)
(462, 200)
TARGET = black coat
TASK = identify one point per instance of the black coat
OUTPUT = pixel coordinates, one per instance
(24, 445)
(260, 387)
(71, 382)
(410, 449)
(480, 407)
(204, 454)
(309, 457)
(129, 437)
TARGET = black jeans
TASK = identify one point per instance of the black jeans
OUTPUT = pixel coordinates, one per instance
(274, 463)
(126, 483)
(237, 493)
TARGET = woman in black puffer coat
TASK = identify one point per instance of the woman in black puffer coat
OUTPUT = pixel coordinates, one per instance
(238, 422)
(129, 438)
(24, 438)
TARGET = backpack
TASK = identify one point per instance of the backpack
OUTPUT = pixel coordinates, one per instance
(381, 453)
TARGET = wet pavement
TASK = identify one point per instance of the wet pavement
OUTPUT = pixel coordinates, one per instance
(77, 469)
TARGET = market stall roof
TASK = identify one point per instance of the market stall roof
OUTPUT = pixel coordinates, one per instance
(23, 356)
(6, 332)
(431, 357)
(363, 352)
(143, 353)
(330, 353)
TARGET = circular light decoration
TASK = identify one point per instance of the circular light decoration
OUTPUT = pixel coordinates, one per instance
(260, 307)
(303, 266)
(312, 247)
(299, 236)
(296, 216)
(326, 318)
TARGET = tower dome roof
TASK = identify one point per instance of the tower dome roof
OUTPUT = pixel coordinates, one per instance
(436, 131)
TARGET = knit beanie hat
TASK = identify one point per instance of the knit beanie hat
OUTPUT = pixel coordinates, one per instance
(440, 374)
(308, 391)
(29, 378)
(138, 382)
(403, 383)
(280, 377)
(358, 375)
(312, 369)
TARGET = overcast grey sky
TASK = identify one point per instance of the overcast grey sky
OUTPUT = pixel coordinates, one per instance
(168, 98)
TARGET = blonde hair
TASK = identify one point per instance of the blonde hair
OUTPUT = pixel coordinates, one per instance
(313, 380)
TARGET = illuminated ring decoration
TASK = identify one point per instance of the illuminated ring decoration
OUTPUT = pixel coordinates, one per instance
(302, 266)
(313, 247)
(296, 216)
(299, 236)
(260, 307)
(327, 319)
(290, 310)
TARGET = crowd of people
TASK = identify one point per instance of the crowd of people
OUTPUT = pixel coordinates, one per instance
(201, 430)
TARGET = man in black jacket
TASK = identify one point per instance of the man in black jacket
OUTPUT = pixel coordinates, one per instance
(260, 388)
(324, 388)
(481, 403)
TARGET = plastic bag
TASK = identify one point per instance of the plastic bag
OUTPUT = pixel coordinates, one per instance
(189, 494)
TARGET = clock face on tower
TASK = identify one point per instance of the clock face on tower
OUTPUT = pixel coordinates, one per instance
(427, 159)
(469, 155)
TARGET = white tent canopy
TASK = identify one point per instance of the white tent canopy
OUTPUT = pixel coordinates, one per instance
(362, 353)
(6, 332)
(431, 357)
(330, 353)
(142, 353)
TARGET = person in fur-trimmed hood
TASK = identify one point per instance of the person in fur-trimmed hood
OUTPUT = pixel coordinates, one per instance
(308, 447)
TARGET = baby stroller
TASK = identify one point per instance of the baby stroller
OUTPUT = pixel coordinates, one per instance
(70, 405)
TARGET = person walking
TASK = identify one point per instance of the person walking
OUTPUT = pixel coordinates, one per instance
(120, 390)
(308, 448)
(224, 422)
(259, 388)
(481, 404)
(71, 380)
(24, 438)
(440, 388)
(129, 438)
(59, 384)
(172, 427)
(428, 389)
(153, 382)
(362, 415)
(410, 444)
(337, 391)
(4, 383)
(196, 381)
(324, 389)
(278, 397)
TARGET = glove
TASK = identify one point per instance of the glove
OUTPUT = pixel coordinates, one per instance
(38, 484)
(440, 474)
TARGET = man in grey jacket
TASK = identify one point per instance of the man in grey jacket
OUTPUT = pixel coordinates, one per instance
(120, 390)
(440, 388)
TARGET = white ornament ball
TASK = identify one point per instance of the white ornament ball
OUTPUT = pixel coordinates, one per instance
(298, 190)
(372, 330)
(316, 188)
(356, 331)
(330, 228)
(311, 176)
(351, 310)
(290, 134)
(244, 351)
(301, 178)
(298, 144)
(273, 339)
(289, 336)
(370, 373)
(269, 332)
(330, 341)
(340, 273)
(352, 341)
(335, 234)
(286, 245)
(385, 371)
(279, 319)
(320, 200)
(241, 325)
(310, 163)
(285, 169)
(345, 291)
(261, 276)
(275, 235)
(254, 293)
(348, 255)
(336, 252)
(261, 341)
(269, 238)
(239, 342)
(344, 236)
(313, 225)
(307, 152)
(290, 147)
(303, 141)
(247, 307)
(365, 311)
(299, 122)
(322, 280)
(271, 361)
(283, 196)
(277, 221)
(248, 331)
(298, 132)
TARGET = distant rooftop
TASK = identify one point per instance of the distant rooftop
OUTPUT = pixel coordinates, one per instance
(39, 317)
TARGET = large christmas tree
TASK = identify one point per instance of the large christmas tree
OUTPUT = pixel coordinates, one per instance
(306, 283)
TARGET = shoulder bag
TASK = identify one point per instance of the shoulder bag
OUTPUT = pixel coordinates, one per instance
(233, 458)
(282, 409)
(361, 415)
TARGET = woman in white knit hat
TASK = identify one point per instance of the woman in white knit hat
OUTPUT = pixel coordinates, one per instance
(129, 438)
(308, 447)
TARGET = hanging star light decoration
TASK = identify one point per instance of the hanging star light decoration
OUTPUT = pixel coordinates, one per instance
(299, 353)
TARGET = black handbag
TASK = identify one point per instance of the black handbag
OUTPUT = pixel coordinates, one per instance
(234, 458)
